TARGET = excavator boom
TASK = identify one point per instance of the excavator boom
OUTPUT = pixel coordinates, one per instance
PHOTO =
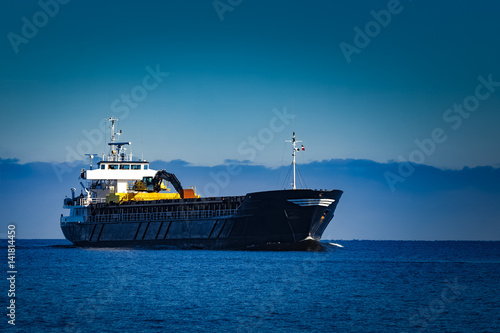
(170, 177)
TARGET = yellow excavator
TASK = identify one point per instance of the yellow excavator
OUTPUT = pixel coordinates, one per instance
(156, 184)
(149, 187)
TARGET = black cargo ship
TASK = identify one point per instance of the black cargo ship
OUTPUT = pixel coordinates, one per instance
(125, 205)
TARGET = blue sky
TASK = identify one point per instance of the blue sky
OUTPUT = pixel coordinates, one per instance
(226, 77)
(237, 72)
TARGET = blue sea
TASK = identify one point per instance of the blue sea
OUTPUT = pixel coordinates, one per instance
(364, 286)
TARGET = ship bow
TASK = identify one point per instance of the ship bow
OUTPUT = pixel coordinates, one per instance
(290, 216)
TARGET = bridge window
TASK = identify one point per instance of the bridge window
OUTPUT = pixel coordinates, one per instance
(113, 166)
(124, 166)
(103, 166)
(145, 166)
(136, 167)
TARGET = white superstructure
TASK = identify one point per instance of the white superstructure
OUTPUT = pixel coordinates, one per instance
(116, 173)
(122, 173)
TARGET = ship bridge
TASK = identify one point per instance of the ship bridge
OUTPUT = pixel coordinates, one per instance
(121, 171)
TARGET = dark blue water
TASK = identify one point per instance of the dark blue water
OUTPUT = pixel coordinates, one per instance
(367, 286)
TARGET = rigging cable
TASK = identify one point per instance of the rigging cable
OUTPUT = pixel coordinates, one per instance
(281, 165)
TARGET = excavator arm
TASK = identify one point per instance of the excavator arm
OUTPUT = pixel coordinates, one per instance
(170, 177)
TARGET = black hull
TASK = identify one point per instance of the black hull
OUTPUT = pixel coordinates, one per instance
(272, 220)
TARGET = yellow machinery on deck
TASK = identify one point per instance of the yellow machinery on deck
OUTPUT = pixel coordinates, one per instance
(149, 188)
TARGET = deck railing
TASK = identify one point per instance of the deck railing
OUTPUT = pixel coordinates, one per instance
(79, 201)
(161, 216)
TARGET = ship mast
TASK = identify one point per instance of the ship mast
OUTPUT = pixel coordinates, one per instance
(116, 148)
(295, 150)
(112, 120)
